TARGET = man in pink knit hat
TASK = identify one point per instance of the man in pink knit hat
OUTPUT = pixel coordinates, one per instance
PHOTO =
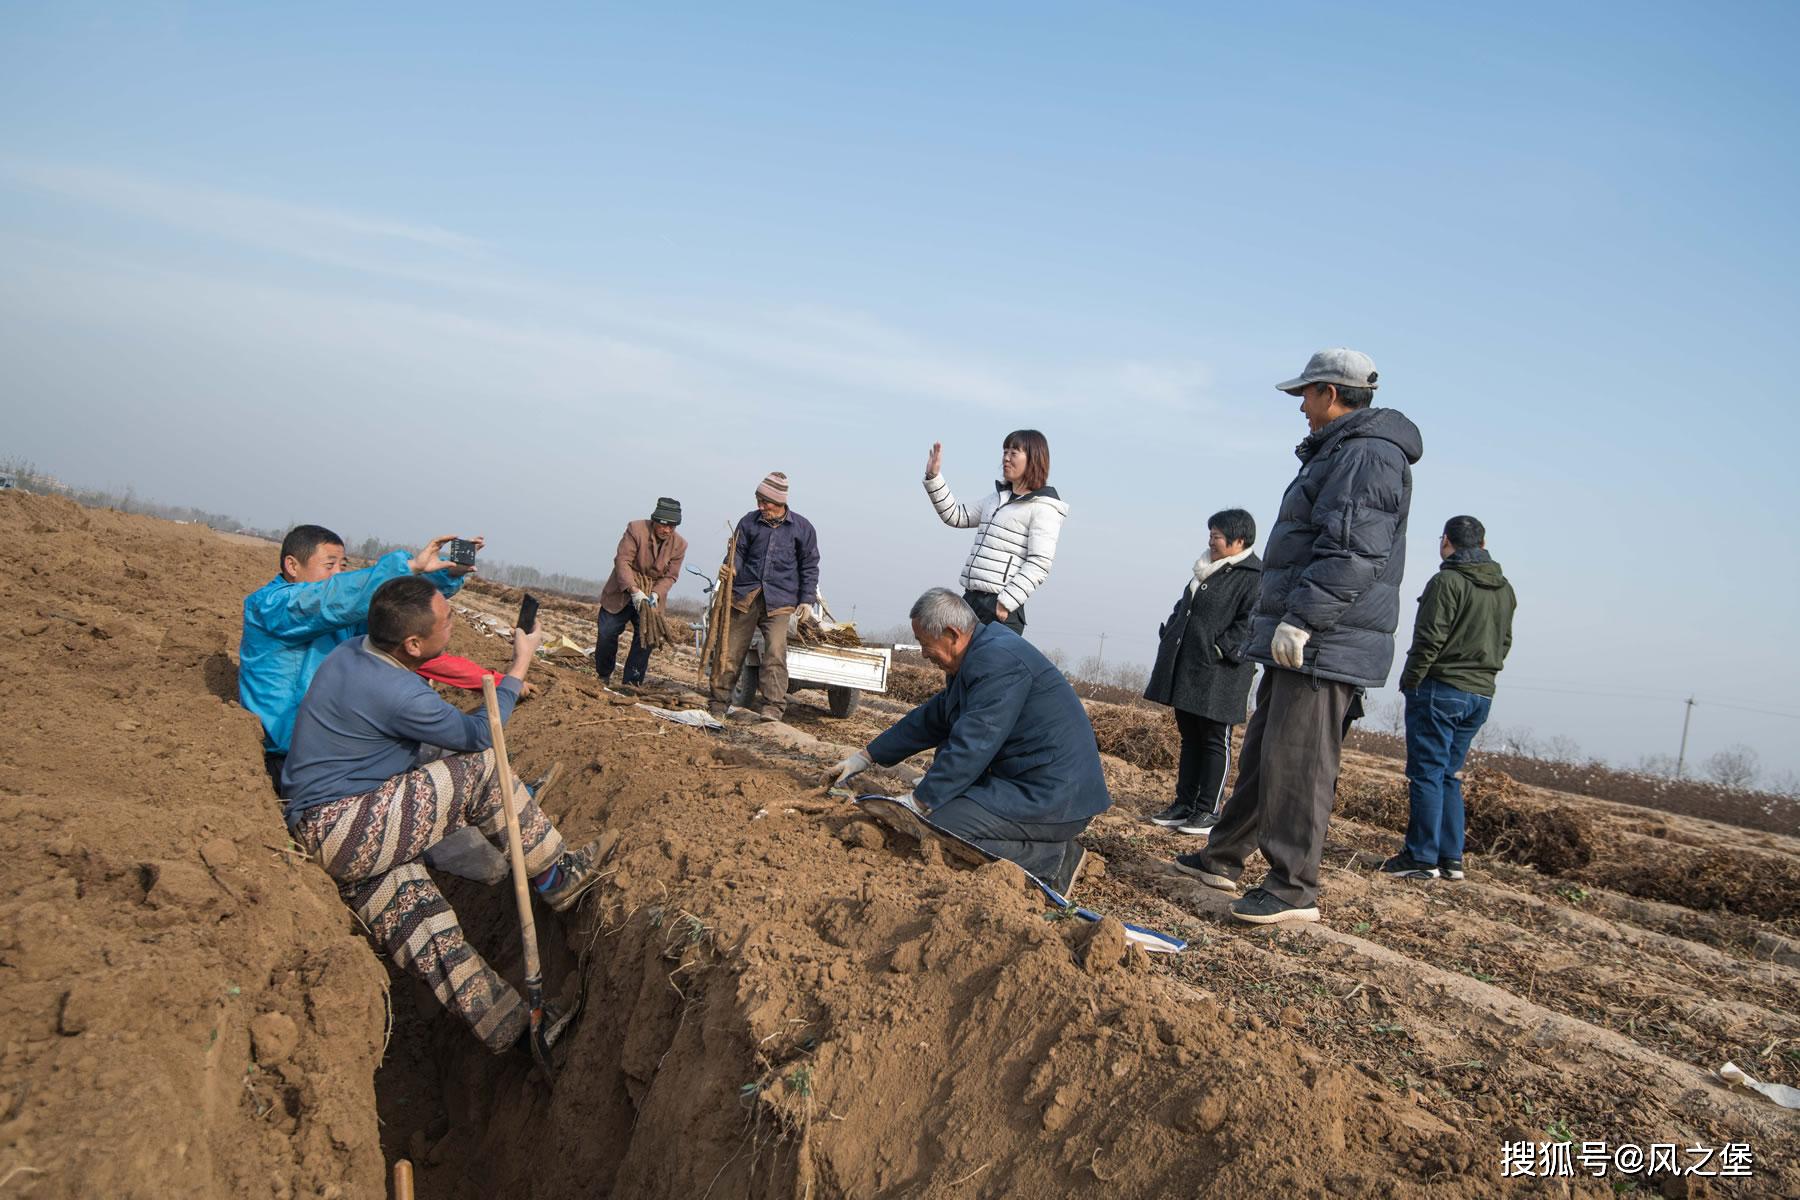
(777, 570)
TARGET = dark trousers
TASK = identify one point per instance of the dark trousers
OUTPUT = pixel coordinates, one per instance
(1441, 722)
(273, 761)
(1205, 761)
(606, 645)
(1287, 781)
(1041, 847)
(984, 604)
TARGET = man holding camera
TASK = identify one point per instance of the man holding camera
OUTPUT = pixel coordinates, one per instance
(645, 566)
(314, 605)
(380, 769)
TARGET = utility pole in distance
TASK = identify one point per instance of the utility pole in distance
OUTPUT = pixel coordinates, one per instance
(1102, 659)
(1681, 755)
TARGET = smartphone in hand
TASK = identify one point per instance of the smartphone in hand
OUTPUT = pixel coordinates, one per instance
(461, 552)
(527, 622)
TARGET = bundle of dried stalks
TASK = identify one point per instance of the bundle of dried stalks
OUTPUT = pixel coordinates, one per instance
(809, 632)
(1143, 737)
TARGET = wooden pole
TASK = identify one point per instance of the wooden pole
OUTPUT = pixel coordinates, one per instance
(534, 974)
(718, 618)
(403, 1181)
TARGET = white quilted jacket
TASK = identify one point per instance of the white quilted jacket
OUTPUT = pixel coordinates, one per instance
(1015, 538)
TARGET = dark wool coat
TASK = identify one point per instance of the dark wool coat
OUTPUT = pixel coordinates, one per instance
(1333, 562)
(1200, 666)
(1010, 734)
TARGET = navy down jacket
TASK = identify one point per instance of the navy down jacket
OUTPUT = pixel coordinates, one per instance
(1332, 564)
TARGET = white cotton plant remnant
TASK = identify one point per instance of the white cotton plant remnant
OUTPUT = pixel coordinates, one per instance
(1780, 1093)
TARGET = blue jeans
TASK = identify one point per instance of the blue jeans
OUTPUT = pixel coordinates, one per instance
(1441, 721)
(606, 645)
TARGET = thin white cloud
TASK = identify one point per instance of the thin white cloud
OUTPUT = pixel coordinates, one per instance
(324, 234)
(827, 350)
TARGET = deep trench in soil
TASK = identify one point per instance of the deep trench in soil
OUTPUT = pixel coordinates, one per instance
(475, 1124)
(444, 1102)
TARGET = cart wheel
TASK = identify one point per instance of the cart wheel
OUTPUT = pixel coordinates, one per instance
(744, 694)
(843, 700)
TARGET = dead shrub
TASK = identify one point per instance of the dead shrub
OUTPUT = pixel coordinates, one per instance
(1144, 737)
(1743, 881)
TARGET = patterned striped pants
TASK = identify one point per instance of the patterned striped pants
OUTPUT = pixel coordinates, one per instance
(371, 845)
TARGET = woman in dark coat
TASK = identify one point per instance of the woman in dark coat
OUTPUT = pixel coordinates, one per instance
(1201, 671)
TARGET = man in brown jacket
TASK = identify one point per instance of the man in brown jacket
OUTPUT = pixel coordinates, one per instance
(645, 567)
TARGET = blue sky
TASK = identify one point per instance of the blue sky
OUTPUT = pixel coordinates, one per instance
(430, 269)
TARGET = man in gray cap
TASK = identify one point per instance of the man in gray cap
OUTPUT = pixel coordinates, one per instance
(645, 566)
(1323, 629)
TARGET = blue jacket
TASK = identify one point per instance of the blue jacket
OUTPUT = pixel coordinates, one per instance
(364, 721)
(1334, 560)
(289, 628)
(781, 559)
(1011, 734)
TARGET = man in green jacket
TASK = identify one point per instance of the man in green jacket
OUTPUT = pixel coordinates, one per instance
(1460, 639)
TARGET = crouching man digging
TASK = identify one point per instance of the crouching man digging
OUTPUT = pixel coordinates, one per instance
(380, 769)
(1017, 771)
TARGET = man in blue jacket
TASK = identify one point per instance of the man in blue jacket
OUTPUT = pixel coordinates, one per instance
(1017, 771)
(1323, 629)
(292, 622)
(777, 570)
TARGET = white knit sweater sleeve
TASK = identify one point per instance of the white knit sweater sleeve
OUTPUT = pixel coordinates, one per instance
(1040, 552)
(957, 516)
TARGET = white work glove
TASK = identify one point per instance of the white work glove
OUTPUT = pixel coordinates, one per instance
(1288, 647)
(652, 599)
(638, 597)
(856, 764)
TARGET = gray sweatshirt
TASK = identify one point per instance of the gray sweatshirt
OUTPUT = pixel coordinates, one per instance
(363, 722)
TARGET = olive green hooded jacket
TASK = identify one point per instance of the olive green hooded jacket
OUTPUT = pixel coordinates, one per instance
(1464, 625)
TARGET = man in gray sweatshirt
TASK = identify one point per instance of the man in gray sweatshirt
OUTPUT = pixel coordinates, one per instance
(380, 769)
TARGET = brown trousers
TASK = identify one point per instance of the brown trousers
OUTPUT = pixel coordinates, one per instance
(774, 676)
(1286, 784)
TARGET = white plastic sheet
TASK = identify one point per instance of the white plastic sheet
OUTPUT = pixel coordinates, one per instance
(1780, 1093)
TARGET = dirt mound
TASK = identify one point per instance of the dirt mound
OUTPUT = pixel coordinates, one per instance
(1143, 737)
(187, 1009)
(779, 1009)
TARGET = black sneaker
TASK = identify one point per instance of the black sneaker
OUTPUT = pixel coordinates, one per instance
(1404, 866)
(578, 872)
(1200, 824)
(557, 1021)
(1451, 868)
(1201, 868)
(1261, 907)
(1069, 870)
(1172, 816)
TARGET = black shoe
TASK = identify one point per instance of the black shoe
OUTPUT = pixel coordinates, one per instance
(1200, 823)
(1069, 870)
(1201, 868)
(578, 871)
(1404, 866)
(557, 1019)
(1451, 868)
(1260, 907)
(1172, 816)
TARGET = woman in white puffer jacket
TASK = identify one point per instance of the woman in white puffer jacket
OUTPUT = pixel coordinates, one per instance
(1016, 527)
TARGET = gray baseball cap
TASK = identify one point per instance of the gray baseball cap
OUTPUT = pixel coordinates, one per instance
(1339, 365)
